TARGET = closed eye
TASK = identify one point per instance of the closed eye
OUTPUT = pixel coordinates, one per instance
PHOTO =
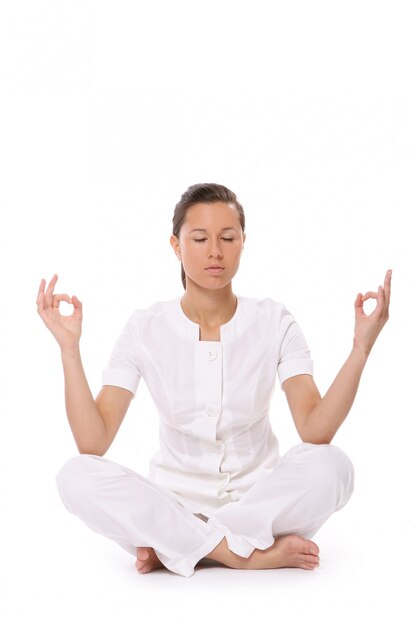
(224, 239)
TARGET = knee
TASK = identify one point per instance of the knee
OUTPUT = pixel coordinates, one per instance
(335, 469)
(75, 478)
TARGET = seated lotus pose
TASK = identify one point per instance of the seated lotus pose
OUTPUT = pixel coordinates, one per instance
(218, 490)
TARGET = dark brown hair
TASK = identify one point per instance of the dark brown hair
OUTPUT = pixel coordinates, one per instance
(203, 192)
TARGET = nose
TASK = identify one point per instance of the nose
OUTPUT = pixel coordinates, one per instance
(215, 250)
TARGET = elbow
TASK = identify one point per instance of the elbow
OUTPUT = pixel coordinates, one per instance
(317, 440)
(91, 450)
(320, 442)
(96, 446)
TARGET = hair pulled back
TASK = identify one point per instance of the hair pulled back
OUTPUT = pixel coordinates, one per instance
(203, 192)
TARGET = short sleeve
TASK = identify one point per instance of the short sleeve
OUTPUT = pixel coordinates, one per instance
(295, 357)
(123, 366)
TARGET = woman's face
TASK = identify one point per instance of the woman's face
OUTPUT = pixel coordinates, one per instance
(210, 234)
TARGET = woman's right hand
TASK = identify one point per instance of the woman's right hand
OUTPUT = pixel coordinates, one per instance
(65, 328)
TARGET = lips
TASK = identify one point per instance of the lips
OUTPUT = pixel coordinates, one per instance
(215, 270)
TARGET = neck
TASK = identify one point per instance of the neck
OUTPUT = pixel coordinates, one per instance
(209, 307)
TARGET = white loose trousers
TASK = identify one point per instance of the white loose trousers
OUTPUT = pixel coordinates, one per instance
(310, 483)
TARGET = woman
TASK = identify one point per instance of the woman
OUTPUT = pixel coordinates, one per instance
(218, 490)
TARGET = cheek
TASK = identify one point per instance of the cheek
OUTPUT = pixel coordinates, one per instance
(190, 256)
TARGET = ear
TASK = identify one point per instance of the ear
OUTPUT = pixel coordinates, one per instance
(175, 245)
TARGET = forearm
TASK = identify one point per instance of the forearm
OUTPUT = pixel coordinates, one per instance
(86, 423)
(330, 412)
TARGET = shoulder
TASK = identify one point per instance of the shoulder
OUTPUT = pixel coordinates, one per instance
(148, 311)
(267, 307)
(271, 314)
(153, 313)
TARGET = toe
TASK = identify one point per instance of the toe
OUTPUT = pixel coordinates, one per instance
(306, 566)
(312, 548)
(143, 554)
(309, 562)
(142, 567)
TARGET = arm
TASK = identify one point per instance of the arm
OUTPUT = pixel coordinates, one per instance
(94, 424)
(318, 419)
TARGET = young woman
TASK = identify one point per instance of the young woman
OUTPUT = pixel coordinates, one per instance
(218, 490)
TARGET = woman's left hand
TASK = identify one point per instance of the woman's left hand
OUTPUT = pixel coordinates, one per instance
(368, 327)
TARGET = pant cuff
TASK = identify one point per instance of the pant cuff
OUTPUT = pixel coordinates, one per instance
(185, 566)
(239, 544)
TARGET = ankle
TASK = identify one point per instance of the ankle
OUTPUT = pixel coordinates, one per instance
(223, 554)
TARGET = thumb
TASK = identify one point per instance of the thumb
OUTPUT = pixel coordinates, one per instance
(77, 304)
(359, 302)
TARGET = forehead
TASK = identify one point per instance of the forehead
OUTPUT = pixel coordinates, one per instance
(212, 212)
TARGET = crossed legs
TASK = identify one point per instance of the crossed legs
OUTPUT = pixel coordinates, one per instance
(269, 527)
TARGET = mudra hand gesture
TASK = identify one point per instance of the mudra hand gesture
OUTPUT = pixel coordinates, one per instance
(368, 327)
(65, 328)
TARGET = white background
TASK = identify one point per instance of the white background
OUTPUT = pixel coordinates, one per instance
(109, 111)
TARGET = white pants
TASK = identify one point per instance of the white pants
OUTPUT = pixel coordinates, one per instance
(309, 484)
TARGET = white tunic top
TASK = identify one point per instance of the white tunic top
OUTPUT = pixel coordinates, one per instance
(212, 397)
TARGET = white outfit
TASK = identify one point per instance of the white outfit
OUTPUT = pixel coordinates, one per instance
(218, 471)
(212, 397)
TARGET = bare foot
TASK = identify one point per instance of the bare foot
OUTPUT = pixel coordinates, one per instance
(147, 560)
(286, 551)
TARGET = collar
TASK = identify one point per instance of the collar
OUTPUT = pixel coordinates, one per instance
(191, 330)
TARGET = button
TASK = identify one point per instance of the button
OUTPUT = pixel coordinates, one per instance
(212, 410)
(212, 355)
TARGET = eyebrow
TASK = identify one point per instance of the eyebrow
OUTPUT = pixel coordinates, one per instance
(204, 230)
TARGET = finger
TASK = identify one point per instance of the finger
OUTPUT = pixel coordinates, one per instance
(379, 296)
(59, 297)
(52, 283)
(41, 303)
(387, 288)
(370, 294)
(50, 289)
(358, 302)
(77, 304)
(380, 300)
(41, 289)
(387, 284)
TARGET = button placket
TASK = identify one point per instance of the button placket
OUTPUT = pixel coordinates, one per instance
(212, 409)
(208, 389)
(212, 355)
